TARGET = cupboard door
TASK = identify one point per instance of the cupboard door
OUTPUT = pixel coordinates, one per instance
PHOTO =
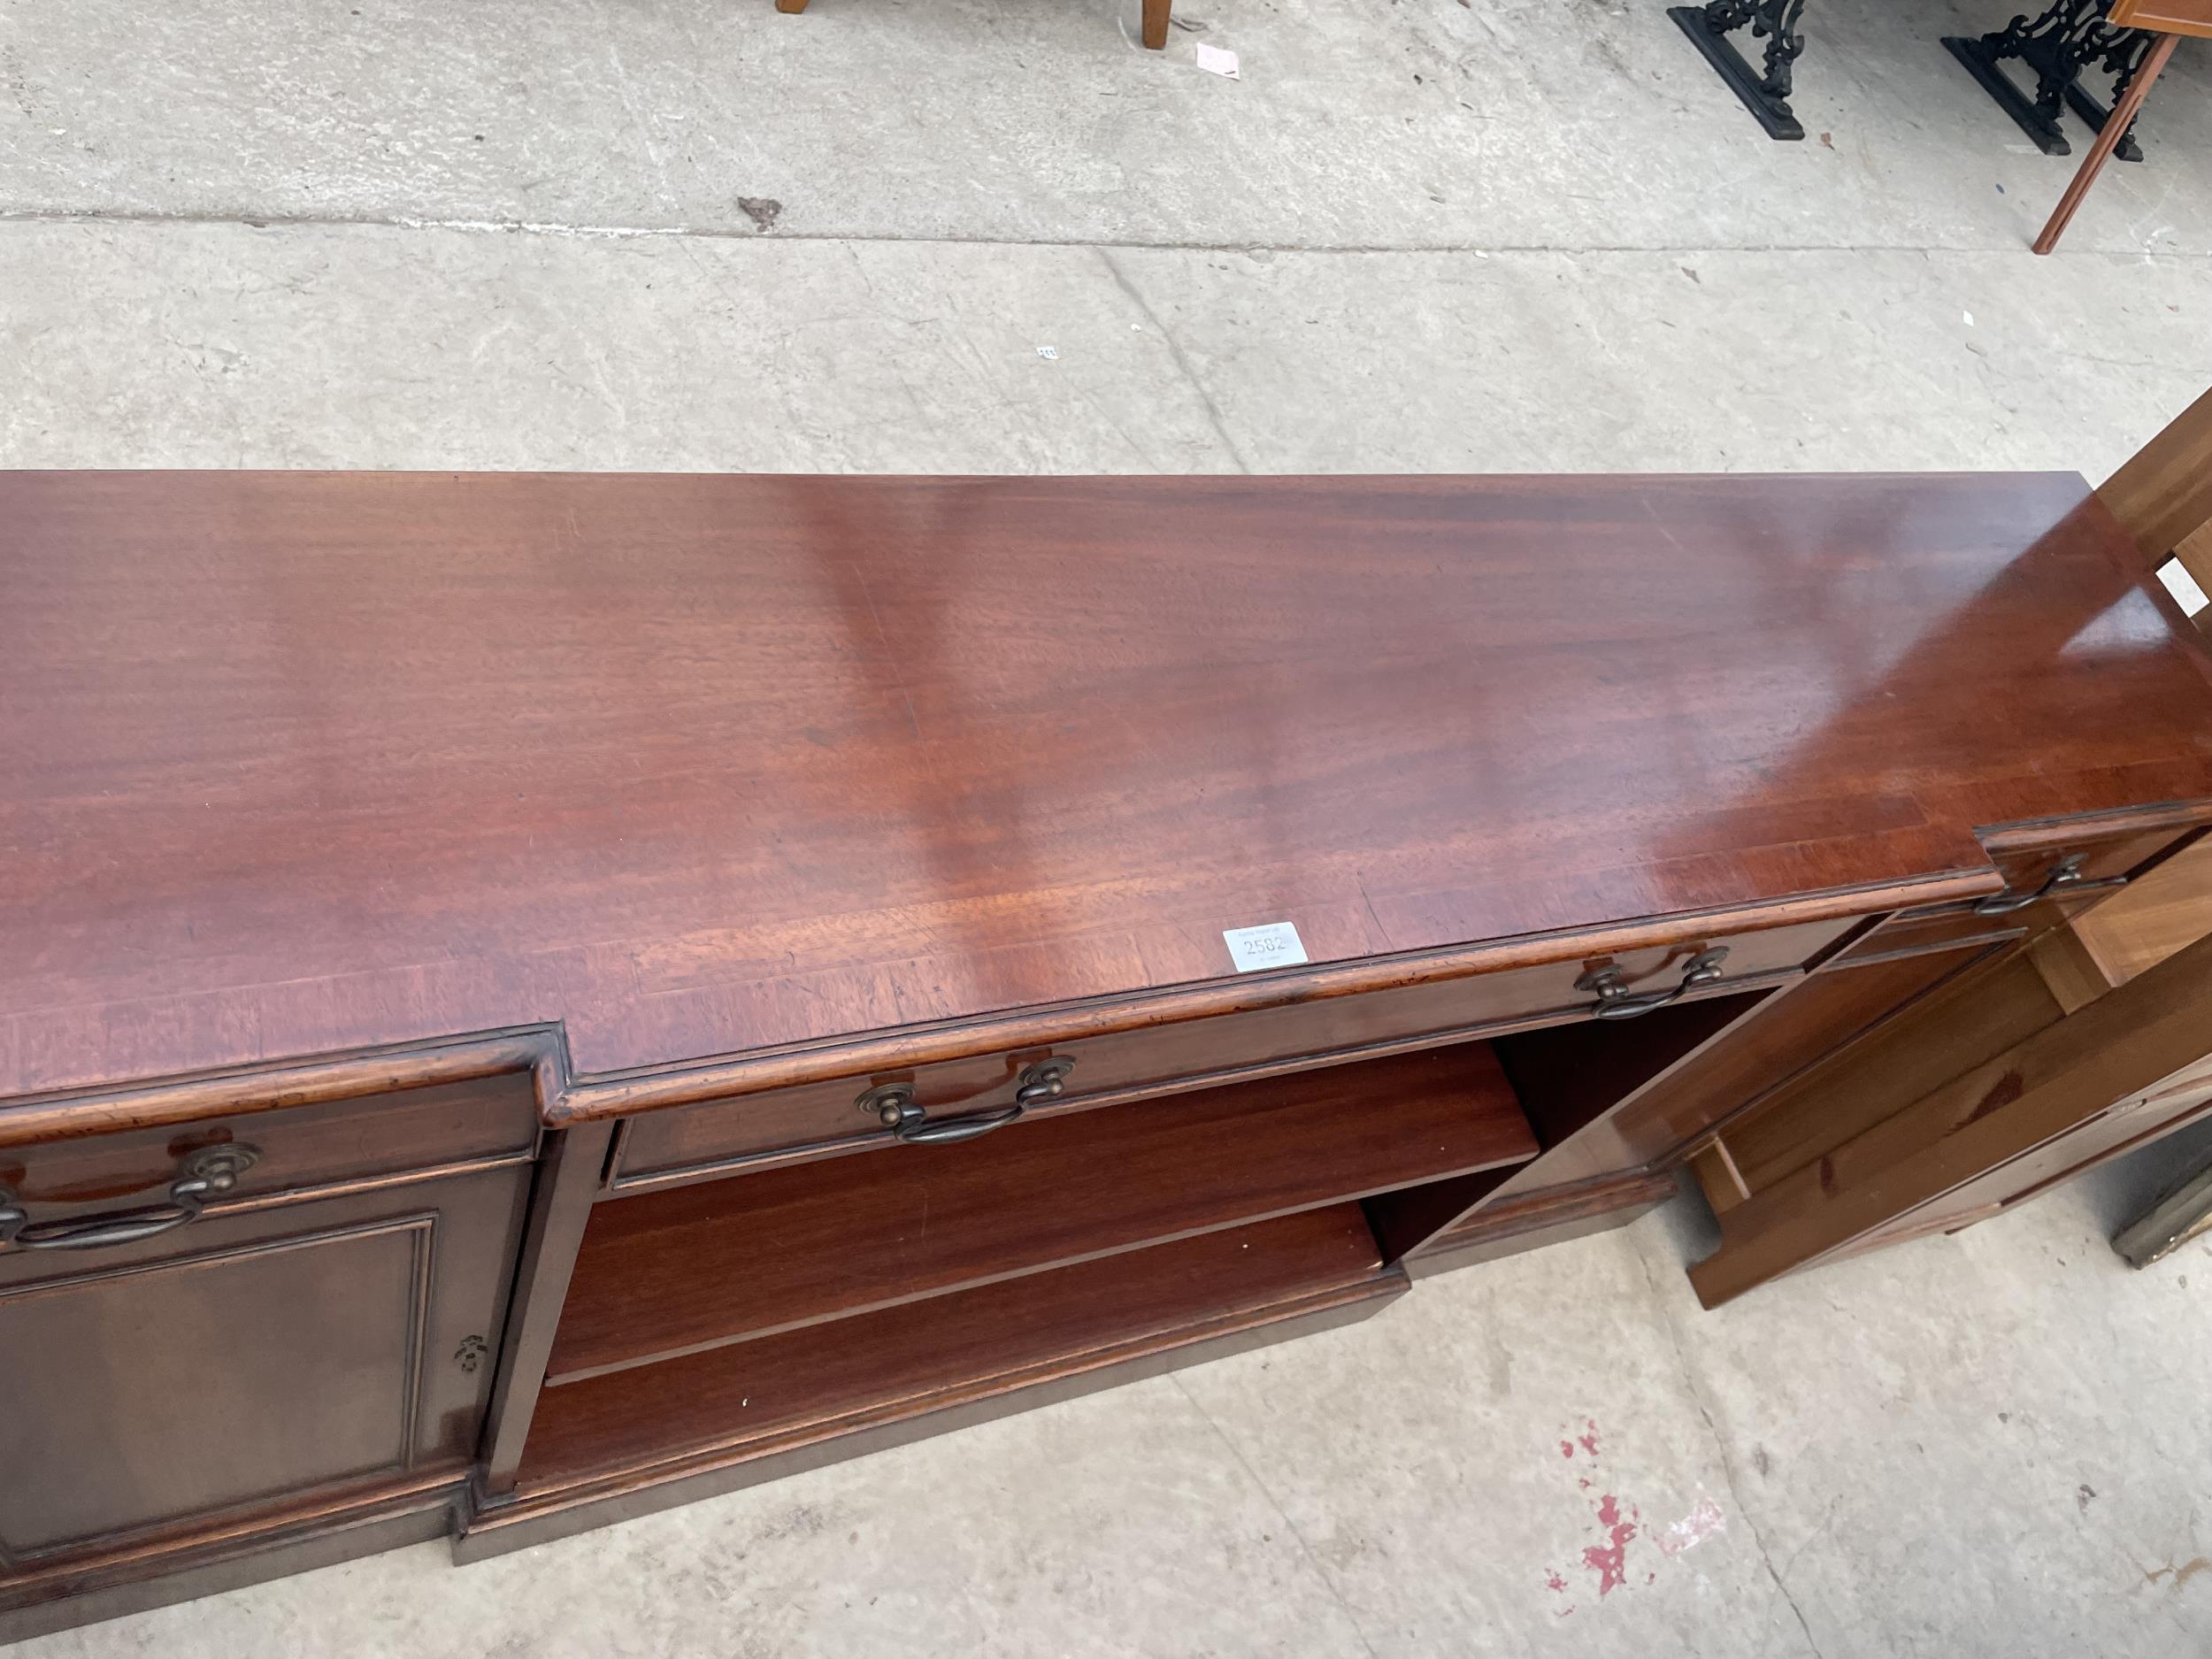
(2125, 1125)
(1613, 1101)
(1803, 1027)
(255, 1355)
(2130, 1064)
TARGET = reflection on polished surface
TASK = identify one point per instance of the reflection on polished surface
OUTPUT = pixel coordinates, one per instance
(297, 761)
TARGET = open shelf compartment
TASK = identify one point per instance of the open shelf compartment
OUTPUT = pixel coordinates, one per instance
(678, 1271)
(1051, 1333)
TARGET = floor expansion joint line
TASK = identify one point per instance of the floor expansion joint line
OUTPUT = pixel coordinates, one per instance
(1720, 1446)
(688, 233)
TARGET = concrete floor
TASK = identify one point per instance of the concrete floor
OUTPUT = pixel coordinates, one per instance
(1418, 235)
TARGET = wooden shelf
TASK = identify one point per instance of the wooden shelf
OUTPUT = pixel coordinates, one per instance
(667, 1273)
(756, 1398)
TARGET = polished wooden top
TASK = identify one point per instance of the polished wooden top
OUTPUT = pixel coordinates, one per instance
(2163, 17)
(295, 764)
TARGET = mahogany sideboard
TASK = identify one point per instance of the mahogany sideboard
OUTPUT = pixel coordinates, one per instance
(529, 999)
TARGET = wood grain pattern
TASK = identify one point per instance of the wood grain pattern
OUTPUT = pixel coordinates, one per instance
(2163, 494)
(2097, 1138)
(1993, 1002)
(2082, 1087)
(667, 1273)
(1145, 1060)
(2167, 17)
(2070, 974)
(1212, 1022)
(281, 1086)
(305, 1146)
(2121, 848)
(2194, 552)
(699, 767)
(2164, 911)
(1617, 1103)
(805, 1381)
(1813, 1023)
(631, 793)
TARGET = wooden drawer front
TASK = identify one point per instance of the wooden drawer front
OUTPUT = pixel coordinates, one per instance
(1164, 1059)
(2113, 859)
(1912, 933)
(301, 1147)
(2106, 859)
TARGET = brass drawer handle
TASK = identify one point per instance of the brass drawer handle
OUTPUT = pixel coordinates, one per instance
(199, 1177)
(1617, 1001)
(893, 1104)
(2065, 876)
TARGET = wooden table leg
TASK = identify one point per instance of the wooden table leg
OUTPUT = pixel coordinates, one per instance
(2114, 128)
(1156, 15)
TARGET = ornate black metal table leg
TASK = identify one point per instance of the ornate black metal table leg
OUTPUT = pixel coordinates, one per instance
(2125, 50)
(2055, 45)
(1768, 95)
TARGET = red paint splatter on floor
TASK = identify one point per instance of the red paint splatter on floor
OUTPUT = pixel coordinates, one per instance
(1621, 1524)
(1610, 1560)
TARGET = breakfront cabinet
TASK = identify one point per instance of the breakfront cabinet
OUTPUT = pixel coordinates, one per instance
(530, 999)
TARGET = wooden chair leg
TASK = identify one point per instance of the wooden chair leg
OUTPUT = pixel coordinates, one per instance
(791, 5)
(2114, 128)
(1156, 14)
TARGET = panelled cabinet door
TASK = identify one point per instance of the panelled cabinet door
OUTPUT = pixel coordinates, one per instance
(2177, 1100)
(2129, 1065)
(250, 1357)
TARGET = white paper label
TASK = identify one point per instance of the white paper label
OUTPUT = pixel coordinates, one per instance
(2183, 587)
(1272, 945)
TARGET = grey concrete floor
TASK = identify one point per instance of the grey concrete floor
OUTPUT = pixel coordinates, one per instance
(1418, 236)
